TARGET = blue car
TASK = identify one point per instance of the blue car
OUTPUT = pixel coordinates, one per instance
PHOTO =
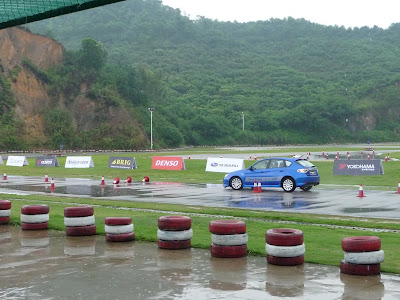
(287, 173)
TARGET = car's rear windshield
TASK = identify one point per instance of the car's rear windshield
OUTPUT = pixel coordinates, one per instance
(305, 163)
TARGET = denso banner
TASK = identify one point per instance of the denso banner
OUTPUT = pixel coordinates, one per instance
(168, 163)
(79, 162)
(17, 161)
(359, 167)
(46, 161)
(224, 165)
(122, 162)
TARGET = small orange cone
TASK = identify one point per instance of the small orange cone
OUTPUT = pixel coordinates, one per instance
(361, 191)
(5, 176)
(46, 178)
(259, 187)
(189, 157)
(102, 181)
(52, 186)
(398, 188)
(255, 187)
(255, 157)
(368, 156)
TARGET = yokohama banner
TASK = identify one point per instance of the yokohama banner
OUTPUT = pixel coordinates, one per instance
(168, 163)
(224, 165)
(17, 161)
(359, 167)
(79, 162)
(46, 161)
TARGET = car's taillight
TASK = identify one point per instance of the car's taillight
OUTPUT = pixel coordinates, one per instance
(302, 170)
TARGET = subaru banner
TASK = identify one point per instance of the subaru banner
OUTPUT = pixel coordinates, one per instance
(122, 162)
(46, 161)
(359, 167)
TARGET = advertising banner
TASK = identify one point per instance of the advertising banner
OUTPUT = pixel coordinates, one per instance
(224, 165)
(122, 162)
(79, 162)
(1, 161)
(359, 167)
(17, 161)
(168, 163)
(46, 161)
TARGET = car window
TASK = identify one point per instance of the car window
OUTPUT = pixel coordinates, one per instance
(277, 163)
(287, 163)
(262, 164)
(304, 163)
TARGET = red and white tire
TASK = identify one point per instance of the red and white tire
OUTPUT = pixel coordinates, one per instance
(227, 227)
(123, 237)
(78, 211)
(117, 221)
(79, 221)
(361, 270)
(115, 229)
(361, 244)
(174, 223)
(42, 218)
(34, 226)
(364, 258)
(175, 235)
(228, 251)
(35, 209)
(285, 261)
(284, 237)
(285, 251)
(4, 220)
(5, 212)
(81, 230)
(229, 239)
(174, 245)
(5, 204)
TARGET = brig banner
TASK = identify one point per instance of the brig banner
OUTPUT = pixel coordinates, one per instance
(79, 162)
(224, 165)
(359, 167)
(168, 163)
(122, 162)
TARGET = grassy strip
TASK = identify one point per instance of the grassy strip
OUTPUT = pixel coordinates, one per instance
(323, 244)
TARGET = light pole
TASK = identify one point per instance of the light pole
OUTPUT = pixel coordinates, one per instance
(243, 119)
(151, 109)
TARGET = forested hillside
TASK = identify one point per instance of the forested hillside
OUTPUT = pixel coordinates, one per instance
(295, 81)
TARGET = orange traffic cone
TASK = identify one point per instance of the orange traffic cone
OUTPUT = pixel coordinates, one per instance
(102, 181)
(361, 191)
(255, 157)
(46, 178)
(255, 187)
(5, 176)
(398, 188)
(259, 187)
(368, 156)
(52, 186)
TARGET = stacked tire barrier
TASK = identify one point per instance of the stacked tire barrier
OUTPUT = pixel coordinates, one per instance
(174, 232)
(79, 221)
(35, 217)
(119, 229)
(228, 238)
(285, 246)
(362, 255)
(5, 211)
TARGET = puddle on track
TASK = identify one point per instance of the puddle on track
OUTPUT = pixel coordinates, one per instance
(49, 265)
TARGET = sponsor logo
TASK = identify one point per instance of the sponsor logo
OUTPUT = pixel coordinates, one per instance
(125, 162)
(44, 162)
(84, 162)
(166, 163)
(214, 164)
(362, 167)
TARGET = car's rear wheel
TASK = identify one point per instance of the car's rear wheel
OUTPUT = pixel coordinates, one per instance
(288, 184)
(236, 183)
(306, 188)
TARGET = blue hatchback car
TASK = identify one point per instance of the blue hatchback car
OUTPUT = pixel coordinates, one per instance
(287, 173)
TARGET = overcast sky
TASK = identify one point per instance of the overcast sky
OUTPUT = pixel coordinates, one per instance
(349, 13)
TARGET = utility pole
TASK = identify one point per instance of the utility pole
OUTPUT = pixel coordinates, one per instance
(243, 119)
(151, 109)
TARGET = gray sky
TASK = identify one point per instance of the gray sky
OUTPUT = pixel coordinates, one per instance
(349, 13)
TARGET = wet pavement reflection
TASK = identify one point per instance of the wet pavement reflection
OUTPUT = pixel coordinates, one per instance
(320, 200)
(49, 265)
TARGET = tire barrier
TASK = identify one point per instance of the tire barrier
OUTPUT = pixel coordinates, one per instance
(79, 221)
(285, 246)
(174, 232)
(119, 229)
(362, 256)
(35, 217)
(228, 238)
(5, 212)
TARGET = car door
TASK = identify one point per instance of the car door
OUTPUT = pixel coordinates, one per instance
(275, 172)
(257, 172)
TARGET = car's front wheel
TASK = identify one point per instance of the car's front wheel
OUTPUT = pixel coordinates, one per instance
(236, 183)
(306, 188)
(288, 184)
